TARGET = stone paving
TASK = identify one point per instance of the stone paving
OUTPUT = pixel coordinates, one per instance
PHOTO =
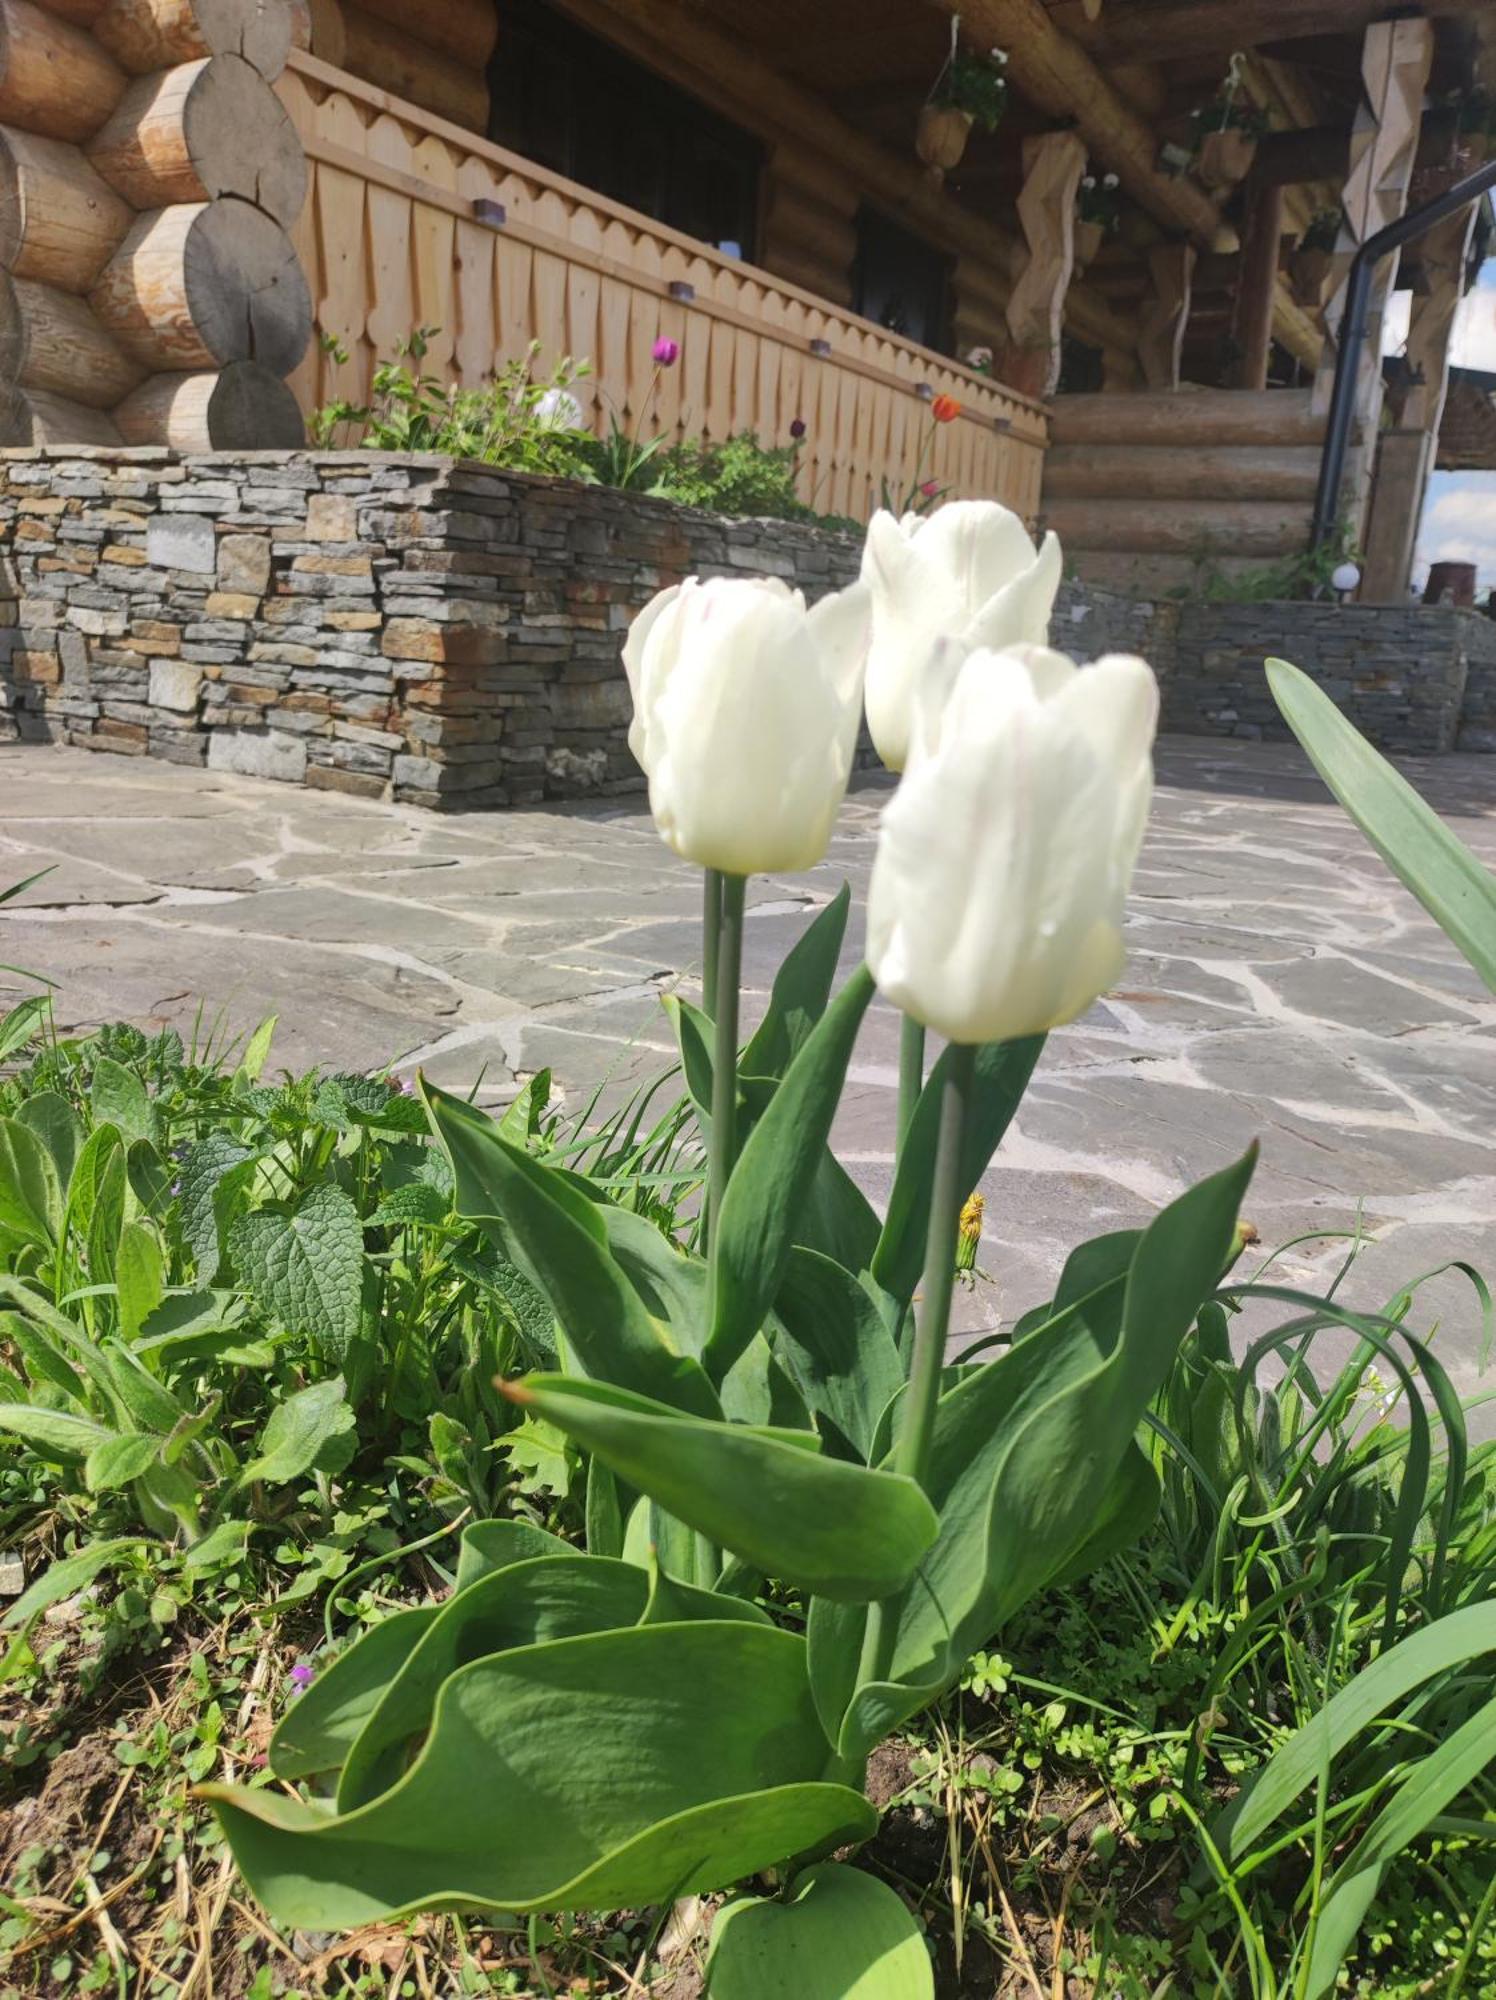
(1281, 986)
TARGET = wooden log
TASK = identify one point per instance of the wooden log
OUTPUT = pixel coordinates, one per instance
(203, 283)
(59, 221)
(1182, 527)
(239, 408)
(56, 420)
(465, 29)
(1184, 472)
(202, 129)
(329, 39)
(82, 13)
(147, 35)
(800, 221)
(407, 67)
(1053, 166)
(56, 343)
(1257, 293)
(1166, 316)
(1196, 417)
(54, 77)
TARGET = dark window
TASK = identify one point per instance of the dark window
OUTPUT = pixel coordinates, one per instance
(900, 282)
(574, 103)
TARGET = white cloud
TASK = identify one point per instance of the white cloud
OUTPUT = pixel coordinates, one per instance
(1459, 523)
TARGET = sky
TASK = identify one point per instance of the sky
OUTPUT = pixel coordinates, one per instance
(1459, 515)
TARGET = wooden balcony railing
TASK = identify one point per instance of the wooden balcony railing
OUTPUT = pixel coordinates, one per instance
(391, 240)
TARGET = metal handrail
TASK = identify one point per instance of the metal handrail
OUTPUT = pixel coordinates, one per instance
(1354, 328)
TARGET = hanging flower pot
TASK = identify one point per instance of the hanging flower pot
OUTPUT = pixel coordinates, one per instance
(1308, 275)
(1089, 237)
(941, 135)
(1226, 158)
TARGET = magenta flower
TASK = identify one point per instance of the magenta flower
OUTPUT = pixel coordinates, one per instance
(797, 429)
(930, 488)
(666, 352)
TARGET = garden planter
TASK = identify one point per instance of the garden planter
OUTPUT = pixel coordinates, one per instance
(1308, 275)
(1226, 158)
(1089, 237)
(941, 135)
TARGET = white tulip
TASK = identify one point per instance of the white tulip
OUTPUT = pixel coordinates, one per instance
(1006, 854)
(746, 708)
(968, 574)
(559, 410)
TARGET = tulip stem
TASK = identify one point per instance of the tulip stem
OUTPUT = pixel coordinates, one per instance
(911, 1072)
(711, 938)
(921, 1398)
(724, 1138)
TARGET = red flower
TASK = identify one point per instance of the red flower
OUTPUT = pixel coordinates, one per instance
(945, 409)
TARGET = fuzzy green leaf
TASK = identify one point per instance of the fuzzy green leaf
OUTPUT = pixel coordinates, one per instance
(306, 1269)
(313, 1428)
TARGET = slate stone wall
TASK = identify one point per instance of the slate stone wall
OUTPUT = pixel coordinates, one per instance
(1401, 672)
(391, 626)
(448, 635)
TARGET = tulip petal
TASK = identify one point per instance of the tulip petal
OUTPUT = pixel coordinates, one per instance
(979, 545)
(1018, 613)
(634, 652)
(839, 625)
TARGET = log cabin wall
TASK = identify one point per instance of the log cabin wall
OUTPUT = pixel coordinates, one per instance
(149, 291)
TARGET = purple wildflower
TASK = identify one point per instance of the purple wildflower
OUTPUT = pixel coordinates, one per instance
(302, 1676)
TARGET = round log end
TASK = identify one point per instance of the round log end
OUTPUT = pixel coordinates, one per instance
(243, 407)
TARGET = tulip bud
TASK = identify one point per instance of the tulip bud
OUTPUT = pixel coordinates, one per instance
(968, 575)
(746, 708)
(1005, 857)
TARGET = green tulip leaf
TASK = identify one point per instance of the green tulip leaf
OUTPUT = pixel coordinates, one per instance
(837, 1530)
(1002, 1076)
(493, 1545)
(693, 1036)
(559, 1241)
(838, 1350)
(30, 1190)
(774, 1175)
(837, 1934)
(1453, 885)
(619, 1768)
(801, 989)
(1071, 1394)
(321, 1726)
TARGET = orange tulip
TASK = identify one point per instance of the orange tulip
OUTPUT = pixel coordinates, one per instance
(945, 409)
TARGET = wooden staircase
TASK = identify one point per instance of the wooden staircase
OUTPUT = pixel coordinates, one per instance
(1153, 493)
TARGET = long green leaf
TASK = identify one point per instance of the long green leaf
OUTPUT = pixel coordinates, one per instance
(30, 1192)
(65, 1578)
(58, 1436)
(559, 1241)
(835, 1529)
(1449, 1642)
(617, 1769)
(774, 1175)
(1002, 1076)
(1434, 1782)
(802, 987)
(1458, 892)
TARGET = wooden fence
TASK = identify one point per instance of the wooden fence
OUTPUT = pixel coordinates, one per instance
(410, 221)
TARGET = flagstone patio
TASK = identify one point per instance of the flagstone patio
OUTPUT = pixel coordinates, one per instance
(1282, 986)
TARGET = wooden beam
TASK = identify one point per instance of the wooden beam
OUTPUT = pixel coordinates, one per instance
(1257, 289)
(1183, 28)
(1054, 72)
(1036, 306)
(1161, 343)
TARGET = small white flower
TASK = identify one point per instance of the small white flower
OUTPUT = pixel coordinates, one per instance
(559, 410)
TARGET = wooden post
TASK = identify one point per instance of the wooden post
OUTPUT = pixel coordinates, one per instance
(1161, 341)
(1406, 455)
(1395, 61)
(1053, 166)
(1257, 285)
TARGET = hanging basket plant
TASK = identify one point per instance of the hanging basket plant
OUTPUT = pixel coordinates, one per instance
(1313, 260)
(1226, 134)
(1098, 214)
(970, 90)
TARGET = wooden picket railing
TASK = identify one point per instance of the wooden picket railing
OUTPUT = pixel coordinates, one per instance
(410, 221)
